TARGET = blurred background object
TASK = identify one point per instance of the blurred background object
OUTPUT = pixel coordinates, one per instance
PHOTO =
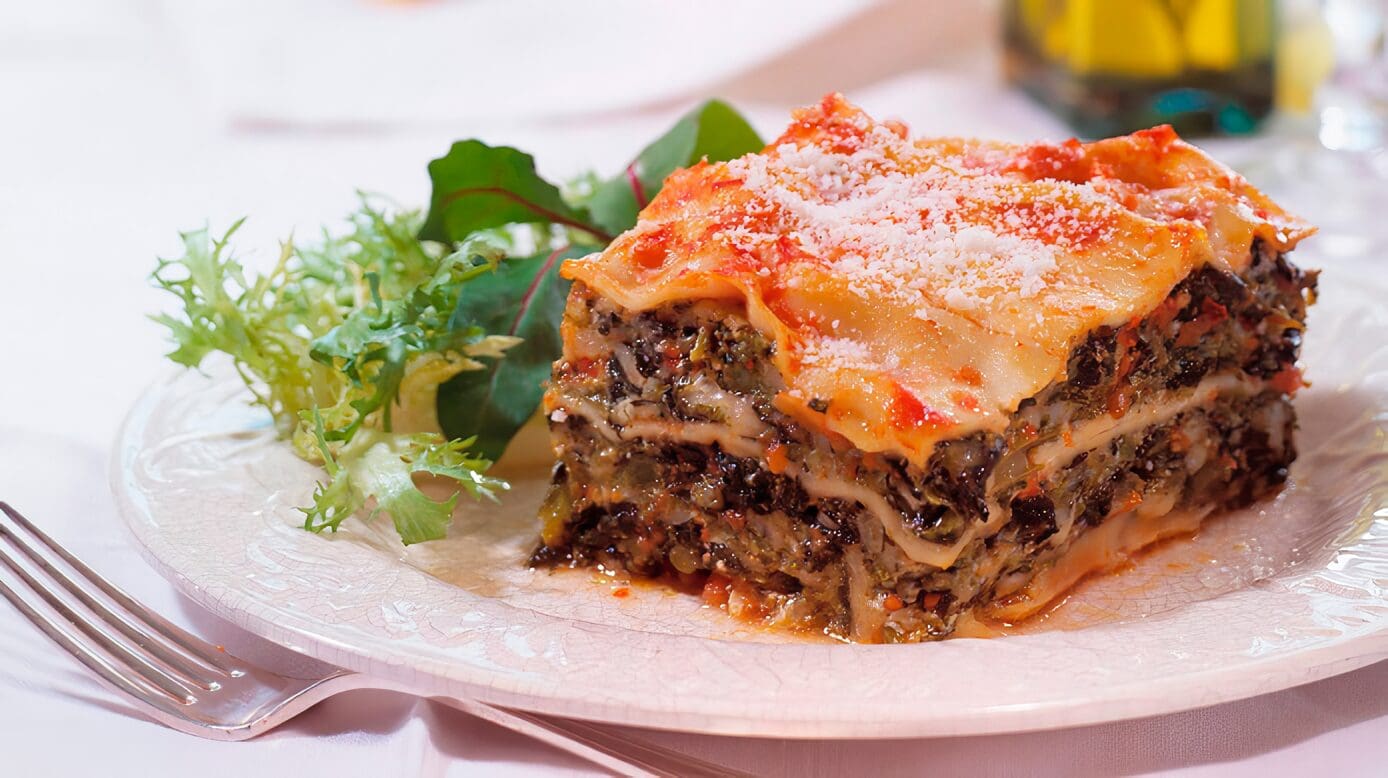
(1305, 54)
(371, 64)
(1203, 66)
(1220, 68)
(1353, 103)
(1327, 156)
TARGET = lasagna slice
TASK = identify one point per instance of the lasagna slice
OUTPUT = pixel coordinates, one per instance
(887, 388)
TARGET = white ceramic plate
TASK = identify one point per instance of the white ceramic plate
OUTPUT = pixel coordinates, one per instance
(1262, 599)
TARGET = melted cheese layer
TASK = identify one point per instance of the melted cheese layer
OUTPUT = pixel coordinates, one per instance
(923, 288)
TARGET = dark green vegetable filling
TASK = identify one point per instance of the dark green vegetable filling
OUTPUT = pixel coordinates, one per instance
(695, 512)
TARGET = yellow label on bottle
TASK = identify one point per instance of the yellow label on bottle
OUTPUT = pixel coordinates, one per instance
(1212, 34)
(1136, 38)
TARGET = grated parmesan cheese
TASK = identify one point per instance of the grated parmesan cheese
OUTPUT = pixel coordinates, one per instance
(888, 269)
(895, 219)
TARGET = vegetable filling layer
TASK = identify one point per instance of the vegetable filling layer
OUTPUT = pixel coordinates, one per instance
(675, 462)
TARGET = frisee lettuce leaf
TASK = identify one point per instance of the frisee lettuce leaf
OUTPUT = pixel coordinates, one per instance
(335, 336)
(378, 342)
(362, 343)
(257, 322)
(382, 466)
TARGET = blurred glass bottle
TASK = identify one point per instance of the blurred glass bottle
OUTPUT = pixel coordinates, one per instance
(1113, 66)
(1328, 159)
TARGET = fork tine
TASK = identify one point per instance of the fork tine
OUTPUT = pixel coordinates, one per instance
(193, 646)
(94, 661)
(134, 661)
(152, 643)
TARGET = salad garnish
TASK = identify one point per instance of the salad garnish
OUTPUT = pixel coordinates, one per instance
(406, 344)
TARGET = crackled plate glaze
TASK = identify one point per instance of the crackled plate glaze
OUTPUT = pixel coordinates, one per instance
(1262, 599)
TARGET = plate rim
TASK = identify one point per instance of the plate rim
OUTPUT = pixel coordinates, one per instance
(1347, 650)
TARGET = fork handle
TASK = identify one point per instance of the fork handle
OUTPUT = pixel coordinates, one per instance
(621, 755)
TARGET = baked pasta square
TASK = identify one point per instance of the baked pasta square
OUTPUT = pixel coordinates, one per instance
(889, 389)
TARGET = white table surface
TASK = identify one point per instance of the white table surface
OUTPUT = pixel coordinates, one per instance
(123, 121)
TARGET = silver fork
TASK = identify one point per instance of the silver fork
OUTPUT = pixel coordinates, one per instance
(188, 684)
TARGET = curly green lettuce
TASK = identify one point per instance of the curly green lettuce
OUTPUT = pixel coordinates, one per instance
(337, 337)
(364, 344)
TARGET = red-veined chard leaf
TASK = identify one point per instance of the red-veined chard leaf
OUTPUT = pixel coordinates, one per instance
(525, 298)
(479, 187)
(714, 130)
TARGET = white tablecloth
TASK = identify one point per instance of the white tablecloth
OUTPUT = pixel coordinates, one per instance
(122, 121)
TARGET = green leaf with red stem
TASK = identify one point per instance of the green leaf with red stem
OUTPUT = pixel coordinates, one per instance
(480, 187)
(714, 131)
(523, 298)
